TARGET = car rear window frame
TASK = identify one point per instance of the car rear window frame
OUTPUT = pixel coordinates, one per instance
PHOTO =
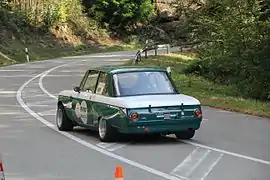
(161, 71)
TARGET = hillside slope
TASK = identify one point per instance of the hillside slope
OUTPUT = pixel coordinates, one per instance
(49, 29)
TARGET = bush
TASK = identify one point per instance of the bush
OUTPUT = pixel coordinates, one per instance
(120, 14)
(235, 46)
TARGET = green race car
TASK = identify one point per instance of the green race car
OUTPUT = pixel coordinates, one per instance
(128, 100)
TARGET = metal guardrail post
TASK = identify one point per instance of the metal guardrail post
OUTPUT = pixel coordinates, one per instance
(138, 56)
(156, 52)
(168, 48)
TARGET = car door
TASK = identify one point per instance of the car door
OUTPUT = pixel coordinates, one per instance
(82, 100)
(98, 105)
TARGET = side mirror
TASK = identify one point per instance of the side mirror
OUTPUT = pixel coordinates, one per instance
(77, 89)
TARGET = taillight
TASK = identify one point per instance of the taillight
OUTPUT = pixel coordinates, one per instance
(134, 116)
(198, 113)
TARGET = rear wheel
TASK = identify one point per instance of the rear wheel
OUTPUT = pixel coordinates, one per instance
(62, 121)
(106, 132)
(188, 134)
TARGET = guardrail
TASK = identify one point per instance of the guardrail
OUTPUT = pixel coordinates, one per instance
(156, 47)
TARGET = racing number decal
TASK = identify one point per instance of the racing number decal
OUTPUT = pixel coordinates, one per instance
(81, 111)
(78, 110)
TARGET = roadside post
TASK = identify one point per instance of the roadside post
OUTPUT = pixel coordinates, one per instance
(2, 175)
(27, 54)
(169, 70)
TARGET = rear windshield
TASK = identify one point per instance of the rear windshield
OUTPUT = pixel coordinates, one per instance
(143, 83)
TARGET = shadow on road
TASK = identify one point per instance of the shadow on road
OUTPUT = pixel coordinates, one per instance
(131, 139)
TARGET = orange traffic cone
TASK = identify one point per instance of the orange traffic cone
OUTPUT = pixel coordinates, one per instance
(118, 173)
(2, 175)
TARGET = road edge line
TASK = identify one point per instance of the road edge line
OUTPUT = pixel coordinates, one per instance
(80, 141)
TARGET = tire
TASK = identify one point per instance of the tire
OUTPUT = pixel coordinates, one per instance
(185, 134)
(105, 131)
(62, 121)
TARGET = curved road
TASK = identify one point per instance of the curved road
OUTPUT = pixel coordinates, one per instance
(228, 145)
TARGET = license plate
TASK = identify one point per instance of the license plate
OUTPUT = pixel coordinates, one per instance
(167, 116)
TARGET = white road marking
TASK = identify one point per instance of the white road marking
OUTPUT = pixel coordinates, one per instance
(78, 140)
(105, 145)
(12, 70)
(191, 163)
(8, 92)
(7, 95)
(68, 75)
(11, 113)
(116, 147)
(196, 166)
(37, 105)
(228, 152)
(51, 112)
(258, 160)
(111, 146)
(197, 162)
(10, 105)
(185, 161)
(16, 76)
(34, 96)
(70, 71)
(212, 166)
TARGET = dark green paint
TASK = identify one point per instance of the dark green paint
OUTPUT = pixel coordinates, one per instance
(120, 120)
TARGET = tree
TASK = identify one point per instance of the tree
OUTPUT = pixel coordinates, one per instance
(121, 14)
(235, 42)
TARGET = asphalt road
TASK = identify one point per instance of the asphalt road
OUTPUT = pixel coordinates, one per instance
(228, 146)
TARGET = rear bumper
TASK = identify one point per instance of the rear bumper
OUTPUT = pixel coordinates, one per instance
(161, 127)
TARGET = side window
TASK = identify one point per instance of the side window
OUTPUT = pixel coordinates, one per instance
(91, 81)
(102, 86)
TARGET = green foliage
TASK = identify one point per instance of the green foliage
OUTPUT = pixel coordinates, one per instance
(121, 14)
(209, 93)
(235, 45)
(44, 15)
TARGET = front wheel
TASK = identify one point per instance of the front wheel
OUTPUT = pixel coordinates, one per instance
(62, 121)
(188, 134)
(105, 131)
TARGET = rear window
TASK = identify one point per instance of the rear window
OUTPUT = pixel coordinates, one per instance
(143, 83)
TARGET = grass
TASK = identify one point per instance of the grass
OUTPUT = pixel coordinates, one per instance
(15, 50)
(209, 93)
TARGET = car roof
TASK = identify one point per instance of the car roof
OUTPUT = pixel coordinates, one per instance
(122, 69)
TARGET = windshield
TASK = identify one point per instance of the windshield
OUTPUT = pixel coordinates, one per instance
(142, 83)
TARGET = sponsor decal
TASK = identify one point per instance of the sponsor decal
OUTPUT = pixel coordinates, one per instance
(95, 121)
(68, 105)
(83, 112)
(78, 110)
